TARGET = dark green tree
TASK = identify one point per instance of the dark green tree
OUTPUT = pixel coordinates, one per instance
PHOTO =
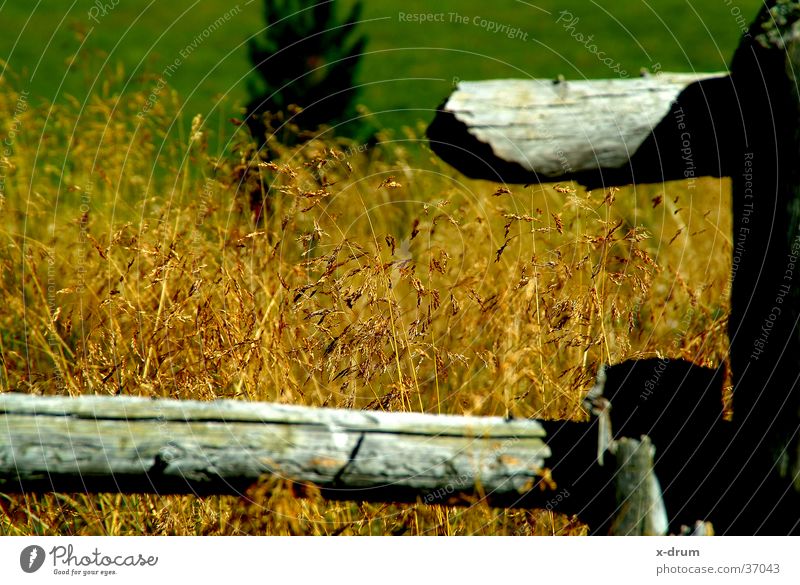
(307, 57)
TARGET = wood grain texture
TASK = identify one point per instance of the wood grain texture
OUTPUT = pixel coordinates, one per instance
(127, 444)
(640, 507)
(535, 130)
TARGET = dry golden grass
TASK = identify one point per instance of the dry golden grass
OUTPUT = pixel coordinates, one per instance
(379, 278)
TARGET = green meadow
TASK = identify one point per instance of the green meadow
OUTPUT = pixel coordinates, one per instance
(60, 49)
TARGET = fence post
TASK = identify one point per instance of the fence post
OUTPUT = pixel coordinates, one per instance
(765, 294)
(640, 507)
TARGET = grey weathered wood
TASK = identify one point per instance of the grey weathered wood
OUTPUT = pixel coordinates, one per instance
(533, 130)
(698, 529)
(129, 444)
(640, 506)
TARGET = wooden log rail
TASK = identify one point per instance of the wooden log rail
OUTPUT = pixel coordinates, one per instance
(597, 132)
(603, 471)
(127, 444)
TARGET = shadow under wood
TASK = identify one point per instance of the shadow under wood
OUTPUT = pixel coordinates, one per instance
(451, 140)
(707, 466)
(692, 140)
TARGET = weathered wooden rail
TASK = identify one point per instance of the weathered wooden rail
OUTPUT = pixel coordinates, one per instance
(128, 445)
(606, 131)
(593, 469)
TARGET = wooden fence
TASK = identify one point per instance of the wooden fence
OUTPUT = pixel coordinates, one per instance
(742, 475)
(744, 125)
(128, 444)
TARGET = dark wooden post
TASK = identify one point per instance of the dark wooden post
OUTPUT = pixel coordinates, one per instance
(639, 502)
(765, 295)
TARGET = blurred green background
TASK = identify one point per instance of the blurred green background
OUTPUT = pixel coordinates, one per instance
(55, 50)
